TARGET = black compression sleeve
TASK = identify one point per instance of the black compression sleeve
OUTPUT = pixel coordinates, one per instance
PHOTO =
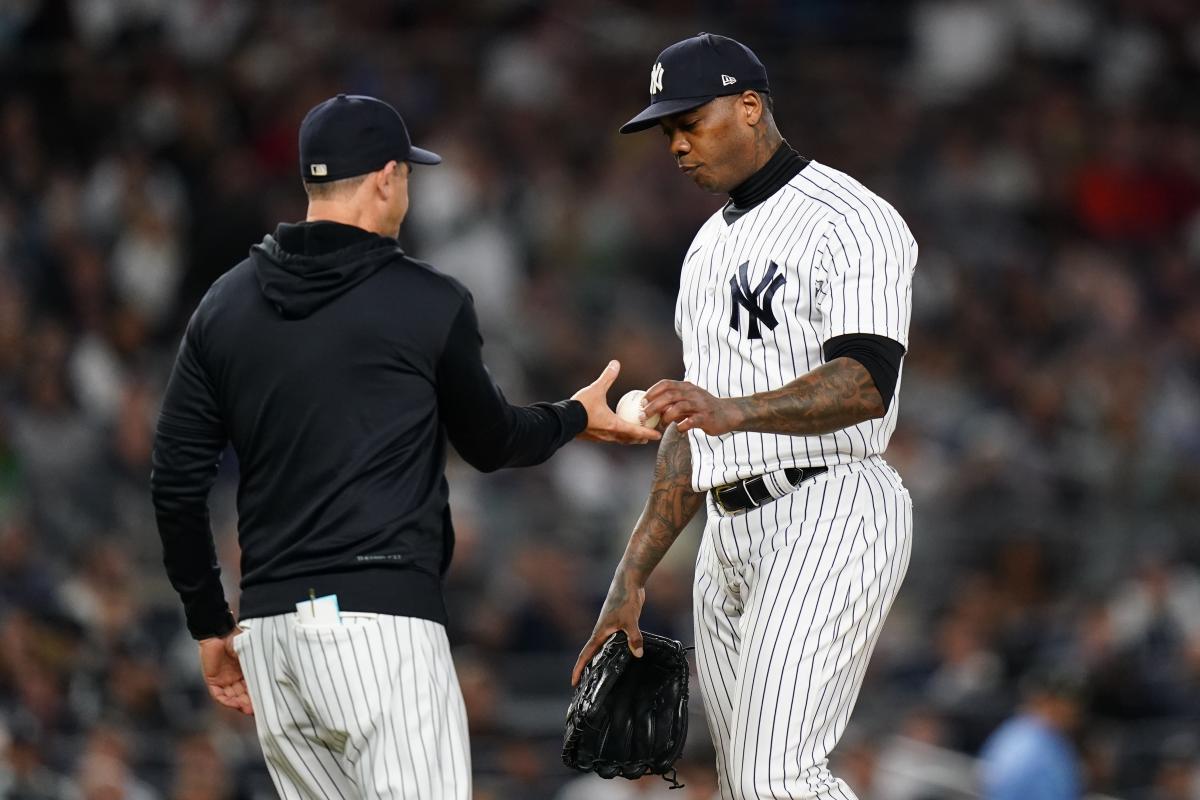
(879, 354)
(484, 428)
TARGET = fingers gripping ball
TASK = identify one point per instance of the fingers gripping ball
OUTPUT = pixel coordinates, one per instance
(629, 715)
(629, 408)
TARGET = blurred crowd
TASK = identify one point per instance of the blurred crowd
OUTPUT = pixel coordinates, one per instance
(1046, 154)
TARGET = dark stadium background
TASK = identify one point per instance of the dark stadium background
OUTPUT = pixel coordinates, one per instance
(1046, 154)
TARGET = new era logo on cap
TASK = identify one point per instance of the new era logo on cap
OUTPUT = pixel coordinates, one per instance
(728, 80)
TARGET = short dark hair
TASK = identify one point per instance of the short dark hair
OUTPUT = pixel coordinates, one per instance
(330, 190)
(767, 100)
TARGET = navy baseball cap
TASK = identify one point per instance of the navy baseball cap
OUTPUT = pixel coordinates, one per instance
(690, 73)
(353, 134)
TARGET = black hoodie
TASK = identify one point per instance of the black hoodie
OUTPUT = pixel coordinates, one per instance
(337, 366)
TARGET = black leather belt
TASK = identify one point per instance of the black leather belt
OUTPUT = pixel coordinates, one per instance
(752, 492)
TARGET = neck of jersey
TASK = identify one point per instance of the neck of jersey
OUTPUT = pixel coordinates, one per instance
(780, 168)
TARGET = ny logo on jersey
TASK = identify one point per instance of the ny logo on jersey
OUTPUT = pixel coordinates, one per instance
(656, 73)
(757, 302)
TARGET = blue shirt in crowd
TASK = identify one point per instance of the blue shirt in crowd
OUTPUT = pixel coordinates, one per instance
(1026, 759)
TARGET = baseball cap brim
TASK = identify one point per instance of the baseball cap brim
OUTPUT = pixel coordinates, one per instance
(419, 155)
(664, 108)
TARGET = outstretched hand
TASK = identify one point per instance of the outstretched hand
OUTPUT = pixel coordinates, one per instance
(603, 423)
(223, 672)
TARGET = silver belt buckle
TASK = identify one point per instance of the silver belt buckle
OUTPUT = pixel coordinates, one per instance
(716, 492)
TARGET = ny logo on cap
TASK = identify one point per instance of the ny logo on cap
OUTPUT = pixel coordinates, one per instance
(656, 74)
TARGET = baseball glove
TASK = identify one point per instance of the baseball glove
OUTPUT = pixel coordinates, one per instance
(629, 715)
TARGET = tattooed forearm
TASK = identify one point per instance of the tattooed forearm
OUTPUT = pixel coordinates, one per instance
(831, 397)
(670, 507)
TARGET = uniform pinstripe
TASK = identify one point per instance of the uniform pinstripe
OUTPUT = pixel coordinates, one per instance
(847, 258)
(369, 708)
(789, 601)
(790, 597)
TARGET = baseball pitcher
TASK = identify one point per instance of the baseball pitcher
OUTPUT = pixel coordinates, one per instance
(793, 310)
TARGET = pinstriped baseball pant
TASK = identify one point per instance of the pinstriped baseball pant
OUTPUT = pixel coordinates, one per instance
(789, 601)
(370, 708)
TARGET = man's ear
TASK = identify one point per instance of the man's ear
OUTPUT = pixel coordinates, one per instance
(751, 105)
(384, 178)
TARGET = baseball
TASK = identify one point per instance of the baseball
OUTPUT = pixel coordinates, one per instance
(629, 408)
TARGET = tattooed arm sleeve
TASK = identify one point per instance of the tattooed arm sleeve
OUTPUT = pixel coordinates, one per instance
(831, 397)
(670, 507)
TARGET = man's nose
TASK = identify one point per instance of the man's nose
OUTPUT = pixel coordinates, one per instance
(680, 145)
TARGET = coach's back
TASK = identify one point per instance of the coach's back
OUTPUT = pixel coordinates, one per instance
(322, 349)
(338, 368)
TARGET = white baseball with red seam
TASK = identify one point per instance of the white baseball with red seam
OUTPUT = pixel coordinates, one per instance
(629, 408)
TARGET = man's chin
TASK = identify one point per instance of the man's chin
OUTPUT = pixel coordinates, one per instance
(707, 184)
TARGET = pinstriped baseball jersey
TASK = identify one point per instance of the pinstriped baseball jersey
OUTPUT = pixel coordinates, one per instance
(759, 296)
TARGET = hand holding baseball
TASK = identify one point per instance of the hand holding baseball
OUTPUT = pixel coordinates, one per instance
(692, 407)
(631, 408)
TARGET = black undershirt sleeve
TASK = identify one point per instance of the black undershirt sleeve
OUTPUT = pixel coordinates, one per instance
(484, 428)
(879, 354)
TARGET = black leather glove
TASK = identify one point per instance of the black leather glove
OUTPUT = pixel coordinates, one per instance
(629, 715)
